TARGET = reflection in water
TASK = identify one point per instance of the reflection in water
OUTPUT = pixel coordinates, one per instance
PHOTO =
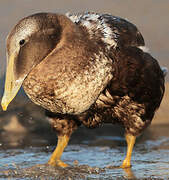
(129, 173)
(100, 162)
(101, 151)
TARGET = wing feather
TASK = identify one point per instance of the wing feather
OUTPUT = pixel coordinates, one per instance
(112, 30)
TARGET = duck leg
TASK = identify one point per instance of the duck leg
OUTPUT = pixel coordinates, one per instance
(130, 144)
(55, 158)
(64, 126)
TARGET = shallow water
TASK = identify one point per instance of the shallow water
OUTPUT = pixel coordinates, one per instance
(98, 157)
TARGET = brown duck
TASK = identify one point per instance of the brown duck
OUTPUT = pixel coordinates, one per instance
(85, 69)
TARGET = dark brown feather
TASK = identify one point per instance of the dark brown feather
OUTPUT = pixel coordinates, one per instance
(97, 74)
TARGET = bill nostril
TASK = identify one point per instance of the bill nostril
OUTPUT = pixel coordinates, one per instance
(11, 86)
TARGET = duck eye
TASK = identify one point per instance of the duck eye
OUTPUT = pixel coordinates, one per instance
(21, 42)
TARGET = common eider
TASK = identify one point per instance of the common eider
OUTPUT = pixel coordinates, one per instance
(84, 69)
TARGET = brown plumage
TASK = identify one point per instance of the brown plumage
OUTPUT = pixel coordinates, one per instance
(84, 69)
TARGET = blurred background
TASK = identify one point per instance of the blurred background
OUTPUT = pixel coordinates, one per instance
(24, 118)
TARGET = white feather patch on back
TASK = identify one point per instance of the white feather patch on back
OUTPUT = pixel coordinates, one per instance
(165, 70)
(94, 23)
(144, 49)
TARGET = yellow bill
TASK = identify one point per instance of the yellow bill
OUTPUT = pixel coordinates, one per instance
(12, 85)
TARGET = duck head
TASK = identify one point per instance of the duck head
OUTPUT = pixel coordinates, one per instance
(29, 42)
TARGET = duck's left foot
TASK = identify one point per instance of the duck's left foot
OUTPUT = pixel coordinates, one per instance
(55, 158)
(126, 164)
(57, 163)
